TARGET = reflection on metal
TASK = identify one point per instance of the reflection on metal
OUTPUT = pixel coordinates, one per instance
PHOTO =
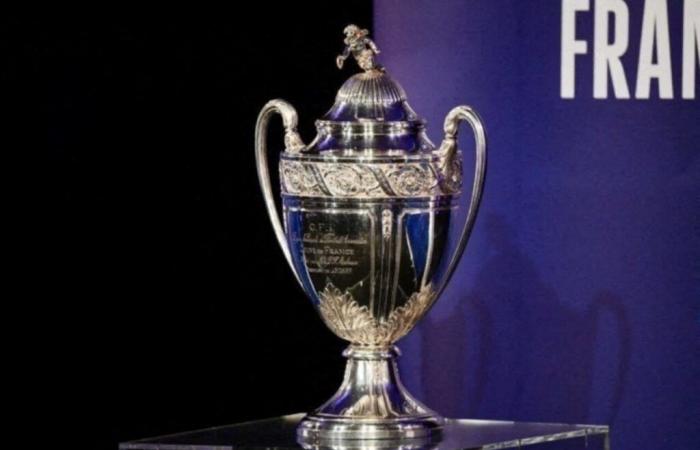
(371, 179)
(355, 323)
(368, 214)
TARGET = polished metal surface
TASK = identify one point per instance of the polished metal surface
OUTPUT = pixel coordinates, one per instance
(360, 46)
(366, 226)
(424, 178)
(293, 144)
(370, 402)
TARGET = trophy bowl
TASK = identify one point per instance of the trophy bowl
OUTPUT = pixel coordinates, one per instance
(368, 213)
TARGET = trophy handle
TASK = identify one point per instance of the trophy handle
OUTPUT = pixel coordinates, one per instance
(293, 144)
(448, 148)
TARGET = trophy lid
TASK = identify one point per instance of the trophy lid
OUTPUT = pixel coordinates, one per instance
(371, 114)
(371, 96)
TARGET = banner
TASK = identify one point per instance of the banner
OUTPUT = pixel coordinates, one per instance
(578, 296)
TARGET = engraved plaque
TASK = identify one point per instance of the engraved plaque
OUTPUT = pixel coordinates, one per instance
(337, 249)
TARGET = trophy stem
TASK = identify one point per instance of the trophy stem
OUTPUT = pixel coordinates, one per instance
(371, 403)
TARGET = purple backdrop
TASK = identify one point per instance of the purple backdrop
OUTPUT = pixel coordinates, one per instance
(577, 298)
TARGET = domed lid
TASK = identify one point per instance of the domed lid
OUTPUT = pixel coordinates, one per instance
(371, 95)
(370, 113)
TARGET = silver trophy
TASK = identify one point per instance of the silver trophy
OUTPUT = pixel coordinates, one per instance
(367, 213)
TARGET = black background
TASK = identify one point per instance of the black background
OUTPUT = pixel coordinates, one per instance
(169, 305)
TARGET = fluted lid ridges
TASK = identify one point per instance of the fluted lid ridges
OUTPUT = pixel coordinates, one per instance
(371, 95)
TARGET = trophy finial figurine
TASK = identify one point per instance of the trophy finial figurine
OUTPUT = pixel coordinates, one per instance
(360, 46)
(369, 230)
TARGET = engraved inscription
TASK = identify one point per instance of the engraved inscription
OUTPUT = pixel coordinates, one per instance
(329, 252)
(336, 247)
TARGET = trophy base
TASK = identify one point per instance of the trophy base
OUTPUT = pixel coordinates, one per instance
(370, 404)
(329, 430)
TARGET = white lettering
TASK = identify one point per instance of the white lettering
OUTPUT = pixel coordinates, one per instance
(654, 34)
(607, 55)
(570, 47)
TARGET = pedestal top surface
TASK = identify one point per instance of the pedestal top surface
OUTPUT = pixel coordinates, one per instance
(280, 433)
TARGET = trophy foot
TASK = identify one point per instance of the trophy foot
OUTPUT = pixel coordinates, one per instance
(370, 404)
